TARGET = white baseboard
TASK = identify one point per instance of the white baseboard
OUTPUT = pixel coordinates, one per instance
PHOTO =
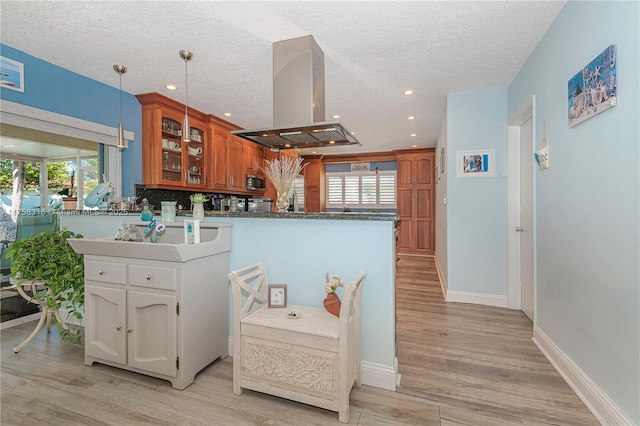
(496, 300)
(596, 400)
(443, 281)
(376, 375)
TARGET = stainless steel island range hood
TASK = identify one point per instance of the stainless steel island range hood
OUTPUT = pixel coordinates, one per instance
(298, 101)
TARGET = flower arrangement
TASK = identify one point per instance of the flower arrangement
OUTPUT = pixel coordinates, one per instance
(281, 172)
(333, 283)
(198, 198)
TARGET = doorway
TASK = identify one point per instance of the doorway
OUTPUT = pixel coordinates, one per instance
(520, 218)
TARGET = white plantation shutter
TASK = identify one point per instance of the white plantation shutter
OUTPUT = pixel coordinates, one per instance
(368, 191)
(361, 189)
(387, 190)
(351, 190)
(334, 188)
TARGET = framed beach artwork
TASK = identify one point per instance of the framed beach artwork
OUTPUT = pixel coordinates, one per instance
(11, 74)
(593, 90)
(479, 163)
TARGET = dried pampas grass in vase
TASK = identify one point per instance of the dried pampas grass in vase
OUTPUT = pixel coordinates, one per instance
(282, 172)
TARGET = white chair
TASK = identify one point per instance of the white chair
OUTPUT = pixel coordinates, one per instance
(313, 359)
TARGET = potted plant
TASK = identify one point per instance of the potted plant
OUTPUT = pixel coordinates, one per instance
(68, 200)
(198, 201)
(48, 258)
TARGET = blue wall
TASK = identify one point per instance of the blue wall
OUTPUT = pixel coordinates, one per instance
(476, 207)
(298, 252)
(52, 88)
(588, 201)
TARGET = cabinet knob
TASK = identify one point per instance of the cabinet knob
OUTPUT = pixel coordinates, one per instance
(129, 330)
(100, 272)
(148, 277)
(118, 327)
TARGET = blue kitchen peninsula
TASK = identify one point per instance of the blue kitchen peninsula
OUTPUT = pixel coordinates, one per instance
(298, 249)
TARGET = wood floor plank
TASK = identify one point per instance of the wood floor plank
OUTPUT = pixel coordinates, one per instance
(474, 356)
(461, 364)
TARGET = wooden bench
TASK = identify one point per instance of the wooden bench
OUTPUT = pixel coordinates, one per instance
(313, 359)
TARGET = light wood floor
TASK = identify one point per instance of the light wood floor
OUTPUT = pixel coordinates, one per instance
(460, 364)
(478, 357)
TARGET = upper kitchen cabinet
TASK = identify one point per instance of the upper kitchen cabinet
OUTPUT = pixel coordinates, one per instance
(254, 156)
(415, 200)
(228, 171)
(167, 161)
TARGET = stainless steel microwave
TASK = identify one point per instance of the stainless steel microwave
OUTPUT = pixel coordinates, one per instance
(255, 183)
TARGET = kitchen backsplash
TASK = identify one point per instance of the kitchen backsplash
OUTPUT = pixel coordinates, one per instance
(155, 196)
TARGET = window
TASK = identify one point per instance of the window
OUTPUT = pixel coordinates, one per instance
(363, 190)
(43, 179)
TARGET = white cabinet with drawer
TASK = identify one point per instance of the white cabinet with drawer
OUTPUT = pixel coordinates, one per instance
(164, 319)
(158, 309)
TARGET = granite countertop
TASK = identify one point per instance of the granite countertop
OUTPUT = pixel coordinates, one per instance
(266, 215)
(291, 215)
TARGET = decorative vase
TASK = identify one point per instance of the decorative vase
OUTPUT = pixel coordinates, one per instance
(282, 201)
(198, 211)
(332, 304)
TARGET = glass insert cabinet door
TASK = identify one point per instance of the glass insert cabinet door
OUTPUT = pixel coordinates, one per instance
(195, 157)
(171, 150)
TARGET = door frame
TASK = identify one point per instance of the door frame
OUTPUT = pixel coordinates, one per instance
(514, 289)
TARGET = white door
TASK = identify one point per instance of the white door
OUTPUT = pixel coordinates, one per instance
(525, 227)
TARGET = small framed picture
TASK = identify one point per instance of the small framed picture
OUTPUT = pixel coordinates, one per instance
(12, 74)
(479, 163)
(277, 295)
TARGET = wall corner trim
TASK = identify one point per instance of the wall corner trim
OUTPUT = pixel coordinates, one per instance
(596, 400)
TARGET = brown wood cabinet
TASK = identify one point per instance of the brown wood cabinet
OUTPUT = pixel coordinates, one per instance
(167, 161)
(228, 172)
(415, 201)
(314, 185)
(254, 156)
(214, 160)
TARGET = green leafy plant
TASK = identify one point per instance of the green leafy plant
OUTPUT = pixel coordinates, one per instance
(198, 198)
(48, 257)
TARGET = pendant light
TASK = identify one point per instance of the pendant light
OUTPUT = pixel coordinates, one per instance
(186, 129)
(121, 142)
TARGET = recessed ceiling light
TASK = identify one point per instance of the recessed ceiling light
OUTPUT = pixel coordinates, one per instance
(408, 92)
(332, 142)
(414, 146)
(336, 115)
(353, 133)
(227, 114)
(287, 145)
(411, 117)
(313, 152)
(413, 135)
(171, 87)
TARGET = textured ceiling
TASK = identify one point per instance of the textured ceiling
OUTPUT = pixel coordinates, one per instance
(373, 51)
